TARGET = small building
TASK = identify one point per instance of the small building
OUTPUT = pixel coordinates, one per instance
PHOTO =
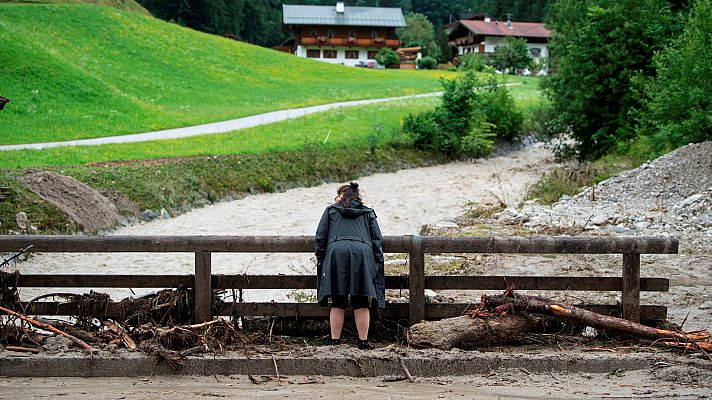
(484, 35)
(341, 34)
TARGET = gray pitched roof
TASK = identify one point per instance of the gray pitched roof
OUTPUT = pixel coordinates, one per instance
(352, 16)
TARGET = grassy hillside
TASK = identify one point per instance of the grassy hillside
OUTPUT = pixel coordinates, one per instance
(126, 5)
(89, 71)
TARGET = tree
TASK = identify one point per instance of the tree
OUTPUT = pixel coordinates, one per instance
(442, 41)
(387, 57)
(597, 47)
(418, 32)
(678, 100)
(512, 55)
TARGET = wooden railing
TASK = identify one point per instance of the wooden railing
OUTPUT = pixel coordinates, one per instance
(203, 281)
(338, 41)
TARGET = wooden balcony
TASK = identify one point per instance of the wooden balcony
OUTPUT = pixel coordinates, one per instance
(338, 41)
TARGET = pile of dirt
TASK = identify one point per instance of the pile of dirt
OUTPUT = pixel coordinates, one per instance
(84, 205)
(671, 195)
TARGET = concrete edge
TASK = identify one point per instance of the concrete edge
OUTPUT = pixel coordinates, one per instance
(372, 364)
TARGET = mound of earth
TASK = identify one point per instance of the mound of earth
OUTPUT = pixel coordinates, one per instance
(671, 195)
(85, 206)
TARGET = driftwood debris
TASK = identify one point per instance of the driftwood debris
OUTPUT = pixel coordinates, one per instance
(47, 327)
(70, 329)
(588, 318)
(467, 332)
(117, 329)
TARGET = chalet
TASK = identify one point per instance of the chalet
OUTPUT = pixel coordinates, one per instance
(341, 34)
(483, 36)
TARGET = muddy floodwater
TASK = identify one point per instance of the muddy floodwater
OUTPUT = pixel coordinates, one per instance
(404, 201)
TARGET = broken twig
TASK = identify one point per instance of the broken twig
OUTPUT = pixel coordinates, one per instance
(50, 328)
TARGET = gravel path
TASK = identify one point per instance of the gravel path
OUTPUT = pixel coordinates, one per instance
(405, 201)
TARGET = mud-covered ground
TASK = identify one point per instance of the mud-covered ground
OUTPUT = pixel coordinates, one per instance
(515, 384)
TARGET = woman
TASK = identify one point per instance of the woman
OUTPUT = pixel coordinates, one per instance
(349, 262)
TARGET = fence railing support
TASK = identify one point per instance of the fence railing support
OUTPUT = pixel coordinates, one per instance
(630, 298)
(416, 281)
(203, 290)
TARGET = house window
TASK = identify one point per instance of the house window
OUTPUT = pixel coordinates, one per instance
(535, 51)
(374, 34)
(329, 53)
(372, 54)
(352, 54)
(312, 32)
(351, 33)
(312, 53)
(330, 33)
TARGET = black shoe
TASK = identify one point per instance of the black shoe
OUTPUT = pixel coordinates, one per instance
(332, 342)
(363, 345)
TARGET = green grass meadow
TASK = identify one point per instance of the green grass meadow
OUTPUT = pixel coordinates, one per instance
(80, 71)
(353, 126)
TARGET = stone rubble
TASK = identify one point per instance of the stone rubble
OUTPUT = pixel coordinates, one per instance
(669, 196)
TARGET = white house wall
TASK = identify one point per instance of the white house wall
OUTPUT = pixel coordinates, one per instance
(491, 43)
(301, 51)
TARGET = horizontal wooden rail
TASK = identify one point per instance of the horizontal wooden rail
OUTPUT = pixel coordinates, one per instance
(305, 244)
(572, 283)
(159, 244)
(397, 311)
(551, 245)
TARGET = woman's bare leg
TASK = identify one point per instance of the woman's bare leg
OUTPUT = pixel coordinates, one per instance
(363, 319)
(336, 322)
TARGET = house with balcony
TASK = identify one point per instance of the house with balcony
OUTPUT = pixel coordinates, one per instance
(484, 35)
(341, 34)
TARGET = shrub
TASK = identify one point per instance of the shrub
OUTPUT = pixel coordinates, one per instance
(387, 57)
(499, 109)
(512, 56)
(444, 128)
(478, 142)
(427, 63)
(473, 62)
(427, 133)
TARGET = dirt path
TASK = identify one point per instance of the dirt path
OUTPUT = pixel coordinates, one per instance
(405, 201)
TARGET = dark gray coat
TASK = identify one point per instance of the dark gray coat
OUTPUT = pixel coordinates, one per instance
(349, 253)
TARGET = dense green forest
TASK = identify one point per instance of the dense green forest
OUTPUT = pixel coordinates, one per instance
(260, 22)
(629, 76)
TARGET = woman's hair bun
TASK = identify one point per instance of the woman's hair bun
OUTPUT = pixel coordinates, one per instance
(353, 185)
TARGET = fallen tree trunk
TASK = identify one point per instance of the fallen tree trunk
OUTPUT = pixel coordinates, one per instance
(467, 332)
(588, 318)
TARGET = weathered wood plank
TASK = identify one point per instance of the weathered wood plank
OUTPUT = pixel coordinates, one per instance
(203, 290)
(416, 283)
(551, 245)
(631, 287)
(573, 283)
(100, 281)
(305, 244)
(193, 244)
(398, 311)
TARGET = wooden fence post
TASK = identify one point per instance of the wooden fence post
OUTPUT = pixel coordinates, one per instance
(203, 290)
(416, 281)
(631, 287)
